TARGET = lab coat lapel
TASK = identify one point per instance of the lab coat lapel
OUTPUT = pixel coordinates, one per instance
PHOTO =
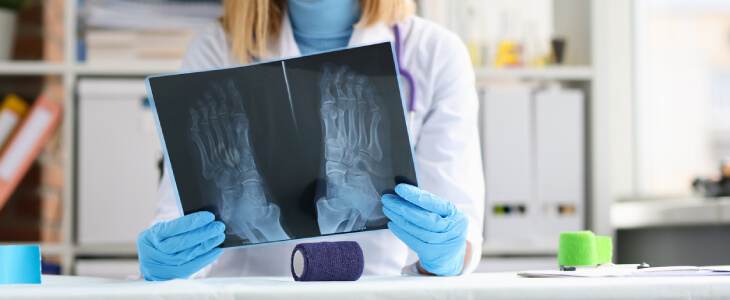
(372, 34)
(285, 46)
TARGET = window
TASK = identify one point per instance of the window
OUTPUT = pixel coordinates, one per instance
(682, 92)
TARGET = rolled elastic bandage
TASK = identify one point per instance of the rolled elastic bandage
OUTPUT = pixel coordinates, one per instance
(327, 261)
(20, 264)
(583, 248)
(604, 249)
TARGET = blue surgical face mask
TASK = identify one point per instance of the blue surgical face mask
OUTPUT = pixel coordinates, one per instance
(323, 18)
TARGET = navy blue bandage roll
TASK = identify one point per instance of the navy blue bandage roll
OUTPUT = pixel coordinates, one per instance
(327, 261)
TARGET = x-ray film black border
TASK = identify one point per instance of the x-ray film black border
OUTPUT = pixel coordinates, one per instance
(168, 165)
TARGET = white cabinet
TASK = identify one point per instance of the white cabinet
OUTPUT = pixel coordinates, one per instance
(534, 166)
(118, 154)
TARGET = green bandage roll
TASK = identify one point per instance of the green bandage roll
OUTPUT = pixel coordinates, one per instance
(577, 249)
(604, 249)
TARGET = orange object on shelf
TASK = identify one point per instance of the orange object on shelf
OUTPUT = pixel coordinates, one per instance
(23, 147)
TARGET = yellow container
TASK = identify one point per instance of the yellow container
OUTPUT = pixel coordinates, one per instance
(12, 112)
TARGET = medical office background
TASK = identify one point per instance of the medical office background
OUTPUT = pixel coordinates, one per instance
(640, 89)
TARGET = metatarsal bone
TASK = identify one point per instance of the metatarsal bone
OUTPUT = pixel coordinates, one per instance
(220, 141)
(331, 116)
(341, 105)
(212, 145)
(374, 144)
(239, 119)
(325, 85)
(362, 110)
(224, 115)
(352, 132)
(194, 132)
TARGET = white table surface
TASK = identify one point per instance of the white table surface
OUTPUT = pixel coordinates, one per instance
(478, 285)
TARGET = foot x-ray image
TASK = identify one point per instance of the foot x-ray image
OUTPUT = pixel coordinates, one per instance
(353, 157)
(288, 149)
(227, 159)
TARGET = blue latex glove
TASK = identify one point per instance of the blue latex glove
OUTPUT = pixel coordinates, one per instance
(181, 247)
(433, 227)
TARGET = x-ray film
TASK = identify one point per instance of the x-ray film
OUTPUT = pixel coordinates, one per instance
(287, 149)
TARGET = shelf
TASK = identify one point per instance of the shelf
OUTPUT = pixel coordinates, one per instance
(125, 70)
(556, 73)
(47, 68)
(31, 68)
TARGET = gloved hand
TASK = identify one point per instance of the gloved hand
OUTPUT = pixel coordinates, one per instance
(433, 227)
(181, 247)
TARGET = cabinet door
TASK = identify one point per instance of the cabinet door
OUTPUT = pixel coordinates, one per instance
(118, 154)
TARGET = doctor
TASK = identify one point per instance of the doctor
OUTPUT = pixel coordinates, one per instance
(441, 223)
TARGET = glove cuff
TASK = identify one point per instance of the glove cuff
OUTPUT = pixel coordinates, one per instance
(451, 267)
(411, 270)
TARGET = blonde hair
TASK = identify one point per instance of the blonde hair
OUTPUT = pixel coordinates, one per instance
(251, 22)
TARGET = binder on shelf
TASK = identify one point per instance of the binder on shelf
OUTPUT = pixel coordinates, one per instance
(507, 151)
(559, 161)
(12, 111)
(26, 144)
(116, 131)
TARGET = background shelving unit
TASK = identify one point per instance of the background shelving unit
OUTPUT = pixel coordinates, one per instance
(587, 76)
(69, 70)
(566, 73)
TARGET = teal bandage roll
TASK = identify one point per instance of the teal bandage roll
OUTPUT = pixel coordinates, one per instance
(20, 264)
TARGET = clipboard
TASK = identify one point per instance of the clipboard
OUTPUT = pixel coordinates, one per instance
(629, 271)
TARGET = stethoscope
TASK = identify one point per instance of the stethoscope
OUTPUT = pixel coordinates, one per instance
(406, 75)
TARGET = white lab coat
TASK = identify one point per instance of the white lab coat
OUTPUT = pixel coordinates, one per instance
(444, 133)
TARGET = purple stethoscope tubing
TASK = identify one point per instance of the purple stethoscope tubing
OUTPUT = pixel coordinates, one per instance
(405, 74)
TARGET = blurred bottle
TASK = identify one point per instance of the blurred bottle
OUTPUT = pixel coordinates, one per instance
(557, 47)
(509, 50)
(474, 42)
(532, 51)
(475, 52)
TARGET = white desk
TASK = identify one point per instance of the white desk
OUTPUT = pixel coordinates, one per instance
(479, 285)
